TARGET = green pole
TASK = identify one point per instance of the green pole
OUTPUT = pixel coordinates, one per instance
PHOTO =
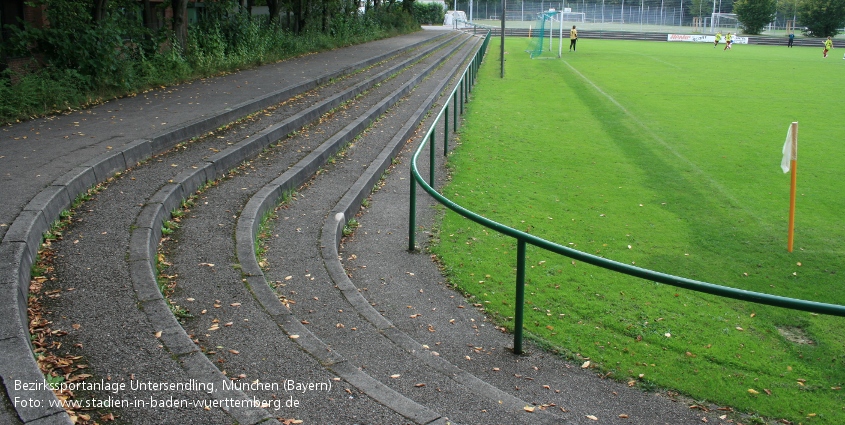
(412, 217)
(446, 130)
(431, 161)
(520, 296)
(455, 108)
(502, 50)
(463, 92)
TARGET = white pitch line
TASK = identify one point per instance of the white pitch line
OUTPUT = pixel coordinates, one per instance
(667, 146)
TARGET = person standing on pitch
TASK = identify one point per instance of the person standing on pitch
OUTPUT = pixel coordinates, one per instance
(573, 37)
(718, 37)
(728, 41)
(791, 39)
(828, 44)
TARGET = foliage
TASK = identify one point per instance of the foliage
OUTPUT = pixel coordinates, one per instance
(754, 15)
(429, 13)
(700, 8)
(645, 175)
(822, 18)
(87, 59)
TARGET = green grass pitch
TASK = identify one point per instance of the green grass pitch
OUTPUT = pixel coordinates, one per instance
(666, 156)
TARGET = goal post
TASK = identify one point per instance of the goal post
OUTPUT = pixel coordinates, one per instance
(543, 34)
(727, 21)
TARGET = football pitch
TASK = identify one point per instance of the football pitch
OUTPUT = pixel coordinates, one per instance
(666, 156)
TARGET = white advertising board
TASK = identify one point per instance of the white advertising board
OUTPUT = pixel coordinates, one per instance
(699, 38)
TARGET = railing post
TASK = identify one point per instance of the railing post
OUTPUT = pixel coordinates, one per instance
(455, 109)
(412, 216)
(431, 161)
(446, 130)
(464, 91)
(520, 296)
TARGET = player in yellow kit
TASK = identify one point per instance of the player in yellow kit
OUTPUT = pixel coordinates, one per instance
(718, 38)
(728, 41)
(573, 38)
(828, 44)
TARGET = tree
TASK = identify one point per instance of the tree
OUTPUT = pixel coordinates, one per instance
(754, 15)
(699, 8)
(823, 18)
(180, 21)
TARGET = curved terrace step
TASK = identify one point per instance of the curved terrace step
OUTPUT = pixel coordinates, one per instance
(332, 314)
(145, 236)
(23, 237)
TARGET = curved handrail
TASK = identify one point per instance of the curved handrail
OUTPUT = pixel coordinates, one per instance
(526, 238)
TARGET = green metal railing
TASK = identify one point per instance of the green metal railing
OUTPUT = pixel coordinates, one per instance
(463, 89)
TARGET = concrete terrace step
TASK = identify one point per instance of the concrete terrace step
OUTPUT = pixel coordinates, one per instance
(108, 212)
(21, 238)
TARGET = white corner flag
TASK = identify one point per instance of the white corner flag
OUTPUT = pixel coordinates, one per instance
(790, 148)
(787, 164)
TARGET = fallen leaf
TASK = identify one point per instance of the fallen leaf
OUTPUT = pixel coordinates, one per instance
(753, 391)
(235, 304)
(591, 417)
(234, 351)
(294, 336)
(623, 416)
(420, 385)
(585, 365)
(394, 376)
(739, 328)
(528, 408)
(158, 334)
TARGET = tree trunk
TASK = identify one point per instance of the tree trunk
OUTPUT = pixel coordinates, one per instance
(148, 15)
(180, 21)
(326, 16)
(274, 7)
(99, 10)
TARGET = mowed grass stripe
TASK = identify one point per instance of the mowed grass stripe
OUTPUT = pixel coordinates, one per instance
(678, 173)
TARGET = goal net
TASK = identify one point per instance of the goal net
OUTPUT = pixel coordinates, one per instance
(545, 39)
(724, 22)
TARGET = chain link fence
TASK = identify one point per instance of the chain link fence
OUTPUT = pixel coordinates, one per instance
(682, 16)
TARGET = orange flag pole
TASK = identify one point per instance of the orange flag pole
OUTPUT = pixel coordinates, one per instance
(793, 166)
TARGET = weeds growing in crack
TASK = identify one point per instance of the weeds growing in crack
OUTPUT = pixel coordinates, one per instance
(58, 367)
(350, 226)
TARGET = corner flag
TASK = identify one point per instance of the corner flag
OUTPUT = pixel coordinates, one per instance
(787, 164)
(790, 148)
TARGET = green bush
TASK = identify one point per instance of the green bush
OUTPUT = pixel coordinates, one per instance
(86, 61)
(822, 18)
(754, 15)
(429, 13)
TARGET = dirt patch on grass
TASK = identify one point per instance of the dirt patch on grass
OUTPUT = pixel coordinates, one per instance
(795, 334)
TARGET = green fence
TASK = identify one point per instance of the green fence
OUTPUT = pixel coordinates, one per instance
(456, 101)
